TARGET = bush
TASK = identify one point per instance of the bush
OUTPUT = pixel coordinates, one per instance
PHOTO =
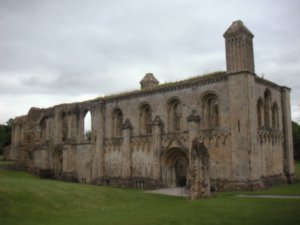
(296, 140)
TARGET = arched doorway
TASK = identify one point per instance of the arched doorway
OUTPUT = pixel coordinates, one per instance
(180, 172)
(57, 162)
(175, 168)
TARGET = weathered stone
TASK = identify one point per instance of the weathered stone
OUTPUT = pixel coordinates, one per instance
(149, 81)
(154, 137)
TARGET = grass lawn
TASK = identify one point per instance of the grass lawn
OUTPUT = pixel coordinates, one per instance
(5, 163)
(27, 200)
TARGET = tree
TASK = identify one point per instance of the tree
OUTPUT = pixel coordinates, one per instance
(2, 138)
(5, 135)
(88, 135)
(296, 140)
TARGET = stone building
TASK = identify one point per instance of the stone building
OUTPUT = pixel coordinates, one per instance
(220, 131)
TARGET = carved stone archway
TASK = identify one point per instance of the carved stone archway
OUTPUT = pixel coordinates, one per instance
(175, 167)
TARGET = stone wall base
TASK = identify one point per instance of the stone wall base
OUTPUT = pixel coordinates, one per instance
(46, 174)
(248, 185)
(291, 178)
(69, 177)
(134, 182)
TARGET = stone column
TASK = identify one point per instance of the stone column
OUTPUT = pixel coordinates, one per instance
(47, 127)
(288, 154)
(198, 177)
(80, 131)
(126, 149)
(199, 171)
(73, 126)
(51, 130)
(98, 140)
(157, 125)
(193, 127)
(69, 121)
(57, 129)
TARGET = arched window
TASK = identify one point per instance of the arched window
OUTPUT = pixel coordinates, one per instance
(145, 119)
(267, 98)
(174, 114)
(87, 126)
(275, 117)
(210, 109)
(260, 113)
(42, 130)
(117, 120)
(64, 126)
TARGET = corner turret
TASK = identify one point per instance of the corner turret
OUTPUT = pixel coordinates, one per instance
(239, 48)
(149, 81)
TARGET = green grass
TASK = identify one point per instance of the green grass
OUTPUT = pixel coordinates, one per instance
(283, 189)
(27, 200)
(5, 163)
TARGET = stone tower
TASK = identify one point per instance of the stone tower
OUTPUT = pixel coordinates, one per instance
(239, 48)
(241, 80)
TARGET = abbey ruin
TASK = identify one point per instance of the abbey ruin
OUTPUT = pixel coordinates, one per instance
(222, 131)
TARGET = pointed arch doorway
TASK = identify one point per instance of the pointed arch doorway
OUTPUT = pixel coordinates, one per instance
(175, 168)
(57, 163)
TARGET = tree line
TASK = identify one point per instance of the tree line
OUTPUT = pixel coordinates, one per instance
(296, 140)
(5, 135)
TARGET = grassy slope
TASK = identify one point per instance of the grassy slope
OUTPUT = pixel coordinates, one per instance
(25, 199)
(6, 163)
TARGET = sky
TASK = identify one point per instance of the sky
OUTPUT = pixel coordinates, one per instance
(63, 51)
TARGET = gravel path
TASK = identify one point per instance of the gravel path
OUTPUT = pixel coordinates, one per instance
(270, 196)
(178, 191)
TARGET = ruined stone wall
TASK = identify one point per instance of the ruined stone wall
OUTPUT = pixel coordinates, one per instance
(141, 146)
(270, 138)
(239, 123)
(240, 150)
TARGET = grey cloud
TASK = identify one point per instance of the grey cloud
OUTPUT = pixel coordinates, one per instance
(73, 47)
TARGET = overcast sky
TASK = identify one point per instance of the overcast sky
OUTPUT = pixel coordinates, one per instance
(60, 51)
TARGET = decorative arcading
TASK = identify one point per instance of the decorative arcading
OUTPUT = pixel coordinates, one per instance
(215, 137)
(179, 138)
(141, 140)
(113, 144)
(271, 136)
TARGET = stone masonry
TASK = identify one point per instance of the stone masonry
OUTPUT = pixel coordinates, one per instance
(222, 131)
